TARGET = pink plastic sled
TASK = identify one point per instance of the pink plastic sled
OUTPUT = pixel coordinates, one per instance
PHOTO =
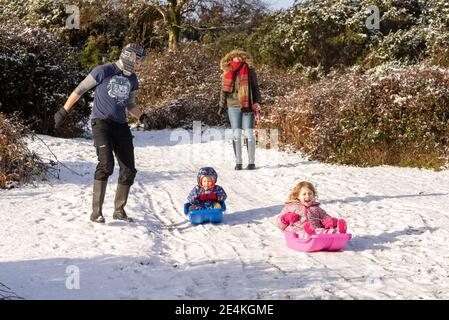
(317, 242)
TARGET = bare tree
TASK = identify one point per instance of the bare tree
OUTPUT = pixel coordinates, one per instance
(223, 14)
(172, 12)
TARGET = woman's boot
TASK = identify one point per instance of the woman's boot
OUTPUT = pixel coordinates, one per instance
(237, 145)
(251, 148)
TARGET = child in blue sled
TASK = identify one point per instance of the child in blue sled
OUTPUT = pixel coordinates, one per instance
(206, 194)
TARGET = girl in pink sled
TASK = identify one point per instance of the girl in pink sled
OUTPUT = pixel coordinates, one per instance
(303, 215)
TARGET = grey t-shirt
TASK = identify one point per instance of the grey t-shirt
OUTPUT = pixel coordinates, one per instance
(113, 93)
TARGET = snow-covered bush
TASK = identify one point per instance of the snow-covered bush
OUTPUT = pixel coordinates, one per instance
(398, 119)
(333, 33)
(436, 19)
(105, 26)
(407, 46)
(37, 73)
(17, 163)
(314, 33)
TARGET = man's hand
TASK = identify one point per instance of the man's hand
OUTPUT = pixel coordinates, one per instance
(60, 117)
(145, 120)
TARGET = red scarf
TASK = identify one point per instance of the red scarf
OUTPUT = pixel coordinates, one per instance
(229, 78)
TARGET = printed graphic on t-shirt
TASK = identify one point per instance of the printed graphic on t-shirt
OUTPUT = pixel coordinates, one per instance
(119, 88)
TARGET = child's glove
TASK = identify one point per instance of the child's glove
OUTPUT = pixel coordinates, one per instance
(289, 218)
(341, 224)
(206, 197)
(329, 223)
(309, 229)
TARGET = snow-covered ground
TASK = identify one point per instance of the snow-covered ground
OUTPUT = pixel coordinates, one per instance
(398, 217)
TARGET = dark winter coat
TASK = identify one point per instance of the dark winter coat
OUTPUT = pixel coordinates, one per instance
(232, 99)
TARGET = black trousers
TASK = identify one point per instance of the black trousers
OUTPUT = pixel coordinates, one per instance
(112, 137)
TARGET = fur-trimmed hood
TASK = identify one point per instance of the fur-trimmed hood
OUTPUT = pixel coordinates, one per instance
(227, 59)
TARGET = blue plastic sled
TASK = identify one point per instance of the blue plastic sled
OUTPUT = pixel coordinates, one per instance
(205, 215)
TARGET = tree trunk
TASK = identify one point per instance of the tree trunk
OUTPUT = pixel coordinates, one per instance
(171, 13)
(173, 37)
(174, 29)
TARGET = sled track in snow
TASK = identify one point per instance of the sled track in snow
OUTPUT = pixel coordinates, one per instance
(182, 232)
(397, 216)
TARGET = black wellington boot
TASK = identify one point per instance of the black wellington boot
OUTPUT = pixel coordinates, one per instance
(121, 197)
(97, 201)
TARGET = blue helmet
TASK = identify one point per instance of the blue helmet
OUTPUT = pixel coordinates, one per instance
(207, 171)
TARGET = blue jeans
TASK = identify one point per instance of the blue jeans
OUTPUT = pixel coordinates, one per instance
(242, 121)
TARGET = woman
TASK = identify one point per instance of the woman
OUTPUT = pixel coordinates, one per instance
(240, 93)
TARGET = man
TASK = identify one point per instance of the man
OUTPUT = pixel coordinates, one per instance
(115, 90)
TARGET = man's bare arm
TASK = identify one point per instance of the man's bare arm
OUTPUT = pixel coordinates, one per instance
(73, 98)
(84, 86)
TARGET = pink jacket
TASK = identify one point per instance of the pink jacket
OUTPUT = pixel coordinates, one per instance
(313, 214)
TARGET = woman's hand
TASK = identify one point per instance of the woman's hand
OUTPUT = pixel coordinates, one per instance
(256, 110)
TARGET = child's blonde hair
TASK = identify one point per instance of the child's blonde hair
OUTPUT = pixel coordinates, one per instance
(297, 189)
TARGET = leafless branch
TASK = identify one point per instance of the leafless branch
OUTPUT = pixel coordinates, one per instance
(8, 294)
(56, 158)
(156, 5)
